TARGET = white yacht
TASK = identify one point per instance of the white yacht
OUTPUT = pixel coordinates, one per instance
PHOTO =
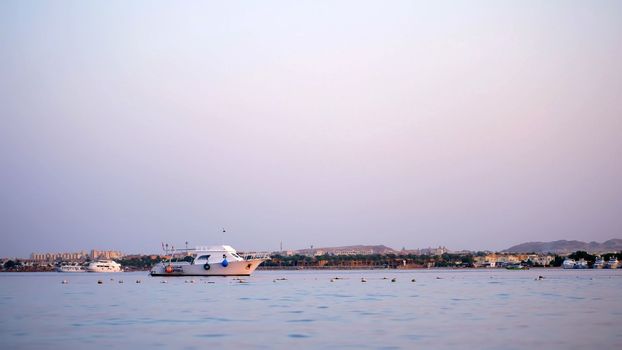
(581, 264)
(220, 260)
(569, 263)
(612, 263)
(71, 268)
(104, 266)
(599, 263)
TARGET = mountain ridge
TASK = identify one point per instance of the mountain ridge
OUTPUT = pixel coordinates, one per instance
(566, 246)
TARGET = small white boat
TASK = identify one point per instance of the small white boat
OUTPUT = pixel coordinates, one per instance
(71, 268)
(104, 266)
(569, 263)
(612, 263)
(581, 264)
(517, 266)
(220, 260)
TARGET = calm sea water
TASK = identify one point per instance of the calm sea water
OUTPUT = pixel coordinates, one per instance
(466, 309)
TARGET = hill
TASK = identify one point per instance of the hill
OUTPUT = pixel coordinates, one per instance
(564, 246)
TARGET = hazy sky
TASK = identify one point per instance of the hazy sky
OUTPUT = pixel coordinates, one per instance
(470, 124)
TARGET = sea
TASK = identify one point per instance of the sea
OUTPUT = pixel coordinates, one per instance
(311, 309)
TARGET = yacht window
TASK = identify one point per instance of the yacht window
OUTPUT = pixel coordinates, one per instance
(203, 257)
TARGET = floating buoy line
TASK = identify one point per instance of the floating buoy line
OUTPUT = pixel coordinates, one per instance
(240, 280)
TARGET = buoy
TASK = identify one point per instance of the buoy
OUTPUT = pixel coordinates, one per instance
(224, 263)
(64, 282)
(393, 279)
(168, 269)
(137, 281)
(332, 280)
(100, 282)
(120, 281)
(363, 280)
(162, 281)
(413, 280)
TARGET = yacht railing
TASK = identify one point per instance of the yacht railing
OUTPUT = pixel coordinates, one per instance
(254, 255)
(176, 253)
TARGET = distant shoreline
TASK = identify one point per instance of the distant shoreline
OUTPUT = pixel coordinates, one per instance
(325, 268)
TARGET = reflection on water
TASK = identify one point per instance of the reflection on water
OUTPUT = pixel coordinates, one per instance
(483, 309)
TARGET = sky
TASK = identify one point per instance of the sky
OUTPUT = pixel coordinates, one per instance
(467, 124)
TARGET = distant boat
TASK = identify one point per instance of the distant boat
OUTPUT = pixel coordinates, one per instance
(517, 267)
(104, 266)
(569, 263)
(599, 263)
(71, 268)
(612, 263)
(220, 260)
(489, 264)
(581, 264)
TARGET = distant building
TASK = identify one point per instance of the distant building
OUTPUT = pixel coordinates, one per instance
(77, 256)
(349, 250)
(503, 259)
(432, 251)
(489, 260)
(105, 254)
(353, 252)
(508, 259)
(544, 260)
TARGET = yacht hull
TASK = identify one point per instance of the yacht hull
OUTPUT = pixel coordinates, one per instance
(70, 271)
(233, 268)
(104, 266)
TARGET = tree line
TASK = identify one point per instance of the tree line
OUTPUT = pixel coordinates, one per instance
(145, 262)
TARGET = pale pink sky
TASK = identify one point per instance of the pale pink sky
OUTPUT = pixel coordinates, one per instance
(470, 124)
